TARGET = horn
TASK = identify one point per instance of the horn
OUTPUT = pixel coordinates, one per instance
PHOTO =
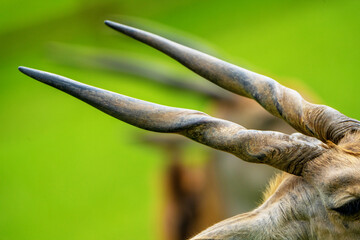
(322, 122)
(282, 151)
(126, 64)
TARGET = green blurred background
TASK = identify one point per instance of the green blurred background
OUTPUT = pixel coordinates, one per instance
(69, 171)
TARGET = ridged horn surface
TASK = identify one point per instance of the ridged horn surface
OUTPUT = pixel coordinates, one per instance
(319, 121)
(285, 152)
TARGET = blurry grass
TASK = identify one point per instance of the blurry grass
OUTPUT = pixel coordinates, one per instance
(69, 171)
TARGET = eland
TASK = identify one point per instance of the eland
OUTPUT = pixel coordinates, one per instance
(318, 194)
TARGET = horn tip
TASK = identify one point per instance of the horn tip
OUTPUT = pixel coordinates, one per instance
(33, 73)
(22, 69)
(117, 26)
(27, 71)
(108, 22)
(111, 24)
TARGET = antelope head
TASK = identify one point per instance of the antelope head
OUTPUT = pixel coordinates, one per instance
(319, 195)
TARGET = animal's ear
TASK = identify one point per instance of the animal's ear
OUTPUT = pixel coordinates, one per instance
(285, 152)
(318, 121)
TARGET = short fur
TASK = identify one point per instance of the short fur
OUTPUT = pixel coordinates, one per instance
(273, 185)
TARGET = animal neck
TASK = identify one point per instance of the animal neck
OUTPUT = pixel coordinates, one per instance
(292, 212)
